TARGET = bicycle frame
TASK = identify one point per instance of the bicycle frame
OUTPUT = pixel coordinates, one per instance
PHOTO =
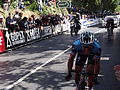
(83, 77)
(110, 30)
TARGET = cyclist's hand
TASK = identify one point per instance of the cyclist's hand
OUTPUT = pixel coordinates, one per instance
(96, 57)
(68, 77)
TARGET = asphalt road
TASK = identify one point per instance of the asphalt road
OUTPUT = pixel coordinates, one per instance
(42, 65)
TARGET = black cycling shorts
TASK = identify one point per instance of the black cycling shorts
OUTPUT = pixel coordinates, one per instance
(81, 59)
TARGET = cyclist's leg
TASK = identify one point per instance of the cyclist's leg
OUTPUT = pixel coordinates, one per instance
(96, 69)
(108, 30)
(90, 70)
(80, 61)
(77, 75)
(112, 30)
(71, 31)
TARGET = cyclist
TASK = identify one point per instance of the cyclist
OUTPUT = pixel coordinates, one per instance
(87, 45)
(110, 26)
(75, 24)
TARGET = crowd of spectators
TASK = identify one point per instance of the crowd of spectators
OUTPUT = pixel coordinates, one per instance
(18, 22)
(19, 4)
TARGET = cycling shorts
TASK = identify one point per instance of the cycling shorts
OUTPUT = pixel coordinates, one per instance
(81, 59)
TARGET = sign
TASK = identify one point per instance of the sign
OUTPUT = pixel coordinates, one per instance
(2, 42)
(64, 4)
(17, 37)
(14, 38)
(33, 34)
(47, 30)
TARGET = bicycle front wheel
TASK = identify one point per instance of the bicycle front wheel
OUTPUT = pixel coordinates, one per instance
(82, 86)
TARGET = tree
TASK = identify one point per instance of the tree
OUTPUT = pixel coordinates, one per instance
(96, 5)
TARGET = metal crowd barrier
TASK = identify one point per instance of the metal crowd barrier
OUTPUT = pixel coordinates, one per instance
(14, 39)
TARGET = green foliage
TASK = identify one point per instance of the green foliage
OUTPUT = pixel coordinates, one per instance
(13, 5)
(117, 9)
(0, 2)
(27, 3)
(77, 3)
(33, 6)
(96, 5)
(50, 10)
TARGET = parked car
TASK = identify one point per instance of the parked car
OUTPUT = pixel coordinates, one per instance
(116, 21)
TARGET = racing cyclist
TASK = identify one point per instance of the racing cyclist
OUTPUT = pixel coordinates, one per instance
(110, 26)
(84, 46)
(75, 24)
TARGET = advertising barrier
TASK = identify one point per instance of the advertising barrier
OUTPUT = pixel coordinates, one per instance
(2, 41)
(13, 39)
(32, 34)
(89, 22)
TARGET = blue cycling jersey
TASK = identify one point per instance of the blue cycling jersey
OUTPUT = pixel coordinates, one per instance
(78, 47)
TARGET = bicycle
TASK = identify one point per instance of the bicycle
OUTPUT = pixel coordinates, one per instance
(83, 76)
(110, 31)
(74, 28)
(83, 80)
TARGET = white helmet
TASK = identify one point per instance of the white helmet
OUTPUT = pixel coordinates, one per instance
(87, 38)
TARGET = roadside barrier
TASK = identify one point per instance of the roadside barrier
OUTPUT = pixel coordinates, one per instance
(90, 22)
(15, 39)
(2, 41)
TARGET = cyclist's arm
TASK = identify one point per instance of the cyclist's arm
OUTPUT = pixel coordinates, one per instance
(70, 61)
(71, 57)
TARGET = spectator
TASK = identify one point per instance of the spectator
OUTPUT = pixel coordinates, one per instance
(24, 24)
(16, 16)
(39, 23)
(1, 22)
(5, 5)
(21, 5)
(10, 23)
(52, 23)
(45, 20)
(33, 19)
(21, 15)
(19, 21)
(30, 23)
(39, 5)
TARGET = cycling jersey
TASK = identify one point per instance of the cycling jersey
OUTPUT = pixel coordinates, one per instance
(81, 58)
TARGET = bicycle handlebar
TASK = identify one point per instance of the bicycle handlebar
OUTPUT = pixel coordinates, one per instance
(86, 54)
(82, 73)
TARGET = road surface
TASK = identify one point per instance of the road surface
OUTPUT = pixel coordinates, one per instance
(42, 65)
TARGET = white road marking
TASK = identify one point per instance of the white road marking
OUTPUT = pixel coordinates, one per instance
(100, 31)
(38, 68)
(33, 71)
(105, 58)
(100, 75)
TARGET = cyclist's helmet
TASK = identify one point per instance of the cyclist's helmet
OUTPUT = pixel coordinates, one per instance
(87, 38)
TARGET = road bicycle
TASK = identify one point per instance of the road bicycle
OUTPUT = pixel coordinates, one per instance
(110, 31)
(74, 28)
(84, 77)
(83, 80)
